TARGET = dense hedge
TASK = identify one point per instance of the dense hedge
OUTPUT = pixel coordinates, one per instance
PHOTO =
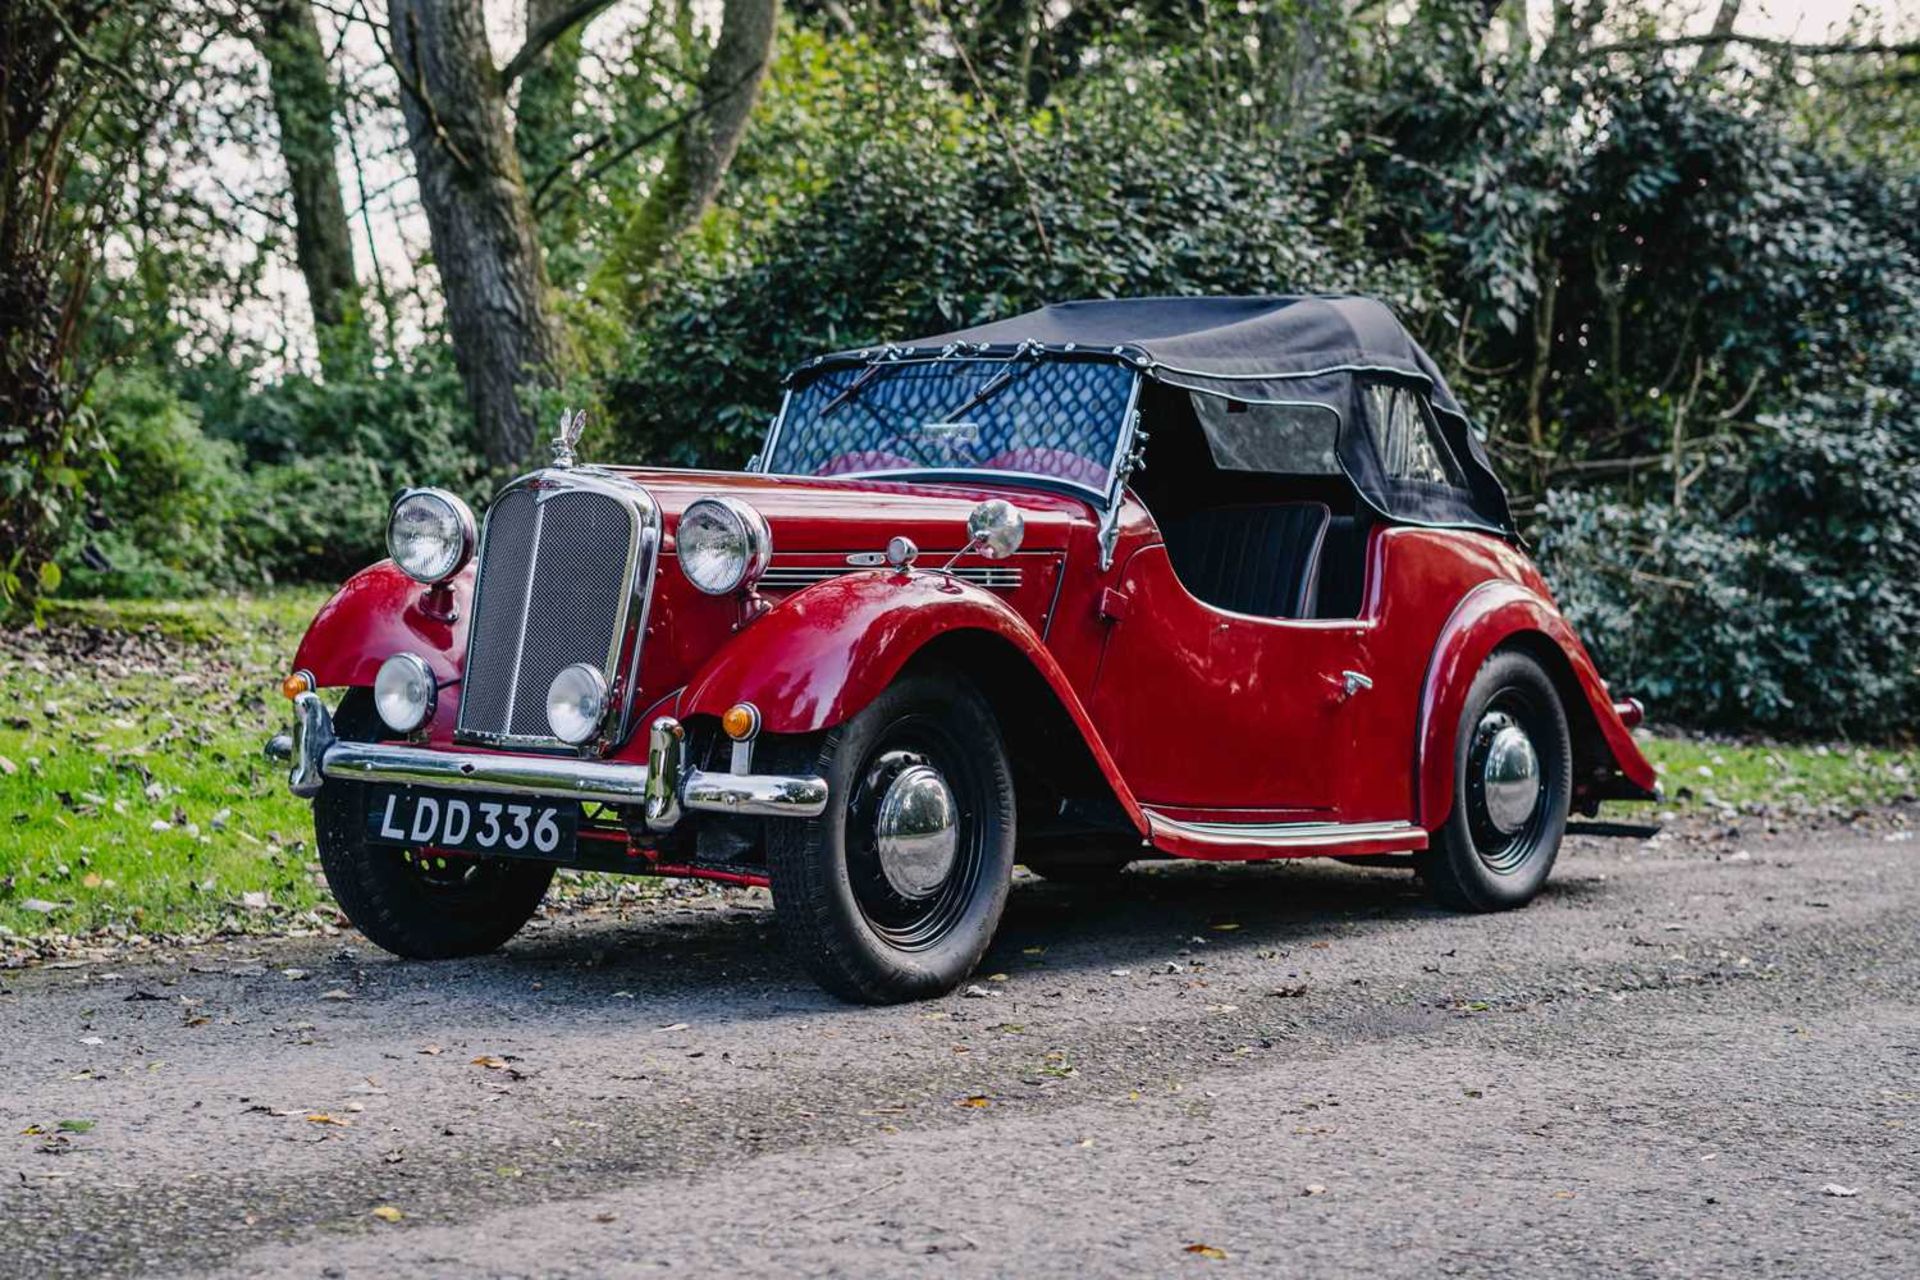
(1690, 334)
(1713, 437)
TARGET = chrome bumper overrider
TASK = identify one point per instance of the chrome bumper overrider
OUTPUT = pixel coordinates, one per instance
(663, 787)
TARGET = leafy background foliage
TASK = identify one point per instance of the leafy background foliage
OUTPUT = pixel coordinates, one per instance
(1683, 304)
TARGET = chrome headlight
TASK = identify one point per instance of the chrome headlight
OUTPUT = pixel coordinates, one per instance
(723, 545)
(430, 534)
(577, 703)
(403, 692)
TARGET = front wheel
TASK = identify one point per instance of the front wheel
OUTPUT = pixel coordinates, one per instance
(894, 892)
(424, 904)
(1513, 776)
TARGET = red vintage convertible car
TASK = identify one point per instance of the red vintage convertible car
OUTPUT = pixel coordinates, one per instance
(1221, 578)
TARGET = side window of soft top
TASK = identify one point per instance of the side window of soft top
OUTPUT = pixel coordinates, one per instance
(1411, 447)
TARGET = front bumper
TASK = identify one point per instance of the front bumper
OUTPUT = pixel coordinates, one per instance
(663, 788)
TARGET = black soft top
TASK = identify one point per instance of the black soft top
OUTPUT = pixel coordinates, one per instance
(1320, 349)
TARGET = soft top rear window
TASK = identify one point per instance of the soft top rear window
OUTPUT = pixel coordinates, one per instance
(1294, 438)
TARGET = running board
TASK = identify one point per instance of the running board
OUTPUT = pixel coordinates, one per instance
(1240, 841)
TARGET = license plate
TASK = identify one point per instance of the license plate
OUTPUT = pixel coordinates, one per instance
(514, 826)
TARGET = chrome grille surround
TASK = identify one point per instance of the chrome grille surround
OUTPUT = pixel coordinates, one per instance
(791, 577)
(565, 571)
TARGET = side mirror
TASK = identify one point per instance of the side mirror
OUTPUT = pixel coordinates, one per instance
(996, 529)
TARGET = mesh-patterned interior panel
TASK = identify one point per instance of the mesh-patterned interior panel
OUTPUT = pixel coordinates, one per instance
(1049, 417)
(574, 546)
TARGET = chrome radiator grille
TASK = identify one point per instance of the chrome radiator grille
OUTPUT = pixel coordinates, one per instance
(561, 572)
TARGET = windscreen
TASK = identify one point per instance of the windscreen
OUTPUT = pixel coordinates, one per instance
(1058, 419)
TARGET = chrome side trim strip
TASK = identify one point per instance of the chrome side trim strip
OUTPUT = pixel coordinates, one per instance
(1285, 833)
(781, 577)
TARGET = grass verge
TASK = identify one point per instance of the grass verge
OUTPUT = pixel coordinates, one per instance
(134, 797)
(133, 792)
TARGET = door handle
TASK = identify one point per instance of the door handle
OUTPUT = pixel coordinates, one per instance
(1348, 683)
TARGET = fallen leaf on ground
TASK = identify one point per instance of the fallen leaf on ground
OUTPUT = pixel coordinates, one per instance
(974, 1100)
(81, 1126)
(387, 1213)
(1208, 1251)
(490, 1062)
(321, 1117)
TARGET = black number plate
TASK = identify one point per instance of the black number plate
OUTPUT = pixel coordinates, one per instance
(517, 826)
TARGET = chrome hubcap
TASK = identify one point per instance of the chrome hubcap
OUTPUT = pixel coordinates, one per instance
(1510, 773)
(917, 831)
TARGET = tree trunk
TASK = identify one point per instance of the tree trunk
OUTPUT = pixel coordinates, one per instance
(303, 103)
(1316, 24)
(1723, 20)
(702, 150)
(506, 336)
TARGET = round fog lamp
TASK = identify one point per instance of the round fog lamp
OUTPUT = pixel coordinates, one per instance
(576, 703)
(403, 692)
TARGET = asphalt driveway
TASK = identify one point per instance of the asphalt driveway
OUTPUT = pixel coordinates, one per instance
(1695, 1056)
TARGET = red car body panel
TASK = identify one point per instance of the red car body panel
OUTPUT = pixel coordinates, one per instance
(1493, 614)
(1194, 715)
(378, 613)
(816, 660)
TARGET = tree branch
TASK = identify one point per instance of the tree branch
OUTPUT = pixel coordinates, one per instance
(1765, 44)
(545, 34)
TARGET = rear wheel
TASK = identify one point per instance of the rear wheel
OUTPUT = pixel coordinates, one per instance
(424, 904)
(1513, 771)
(894, 892)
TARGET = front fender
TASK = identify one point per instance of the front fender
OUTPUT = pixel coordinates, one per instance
(1491, 615)
(377, 614)
(820, 656)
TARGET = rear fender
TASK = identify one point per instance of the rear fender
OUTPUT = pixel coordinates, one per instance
(1607, 761)
(820, 656)
(378, 613)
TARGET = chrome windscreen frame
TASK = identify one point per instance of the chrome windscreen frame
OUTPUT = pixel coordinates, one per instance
(630, 621)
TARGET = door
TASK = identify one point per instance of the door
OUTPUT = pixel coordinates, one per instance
(1221, 715)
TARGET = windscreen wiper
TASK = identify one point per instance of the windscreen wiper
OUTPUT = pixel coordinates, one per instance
(995, 385)
(853, 388)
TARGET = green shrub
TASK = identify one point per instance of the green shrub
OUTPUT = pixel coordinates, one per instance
(158, 516)
(917, 233)
(327, 458)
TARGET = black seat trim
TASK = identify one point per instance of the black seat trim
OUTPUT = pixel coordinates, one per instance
(1262, 560)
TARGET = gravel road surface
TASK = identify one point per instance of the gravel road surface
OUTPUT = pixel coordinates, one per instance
(1693, 1056)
